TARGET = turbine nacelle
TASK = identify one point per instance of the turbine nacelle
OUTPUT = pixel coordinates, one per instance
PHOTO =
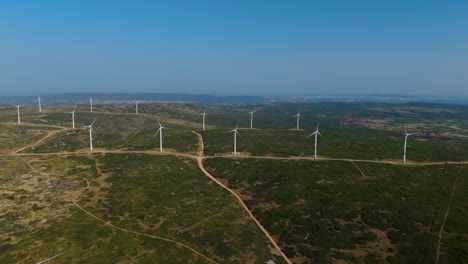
(235, 129)
(91, 126)
(160, 127)
(298, 115)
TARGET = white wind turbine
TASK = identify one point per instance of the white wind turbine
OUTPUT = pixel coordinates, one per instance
(298, 115)
(404, 146)
(251, 119)
(235, 138)
(204, 115)
(91, 131)
(160, 136)
(18, 110)
(40, 105)
(73, 117)
(316, 133)
(90, 104)
(136, 106)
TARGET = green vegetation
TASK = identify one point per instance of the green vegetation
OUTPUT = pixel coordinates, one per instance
(318, 211)
(171, 198)
(118, 131)
(454, 244)
(160, 196)
(325, 211)
(357, 143)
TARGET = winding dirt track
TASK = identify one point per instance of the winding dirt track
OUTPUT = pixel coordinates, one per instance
(239, 199)
(48, 136)
(446, 214)
(143, 234)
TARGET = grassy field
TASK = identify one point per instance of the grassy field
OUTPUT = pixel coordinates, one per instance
(328, 211)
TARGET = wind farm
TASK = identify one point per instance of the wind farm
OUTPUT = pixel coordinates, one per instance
(361, 158)
(233, 132)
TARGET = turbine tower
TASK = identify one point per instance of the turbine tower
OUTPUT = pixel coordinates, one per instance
(251, 119)
(204, 115)
(40, 106)
(160, 136)
(73, 117)
(404, 146)
(90, 104)
(18, 110)
(91, 131)
(235, 139)
(316, 132)
(298, 115)
(136, 107)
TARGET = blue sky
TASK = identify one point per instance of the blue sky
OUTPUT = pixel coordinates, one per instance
(234, 47)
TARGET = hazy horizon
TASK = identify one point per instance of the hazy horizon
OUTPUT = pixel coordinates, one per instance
(416, 48)
(279, 94)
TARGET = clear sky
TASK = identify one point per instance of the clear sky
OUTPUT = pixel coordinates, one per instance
(234, 46)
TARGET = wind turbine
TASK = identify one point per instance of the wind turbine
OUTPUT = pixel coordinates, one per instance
(204, 115)
(73, 117)
(404, 146)
(17, 108)
(316, 132)
(298, 115)
(91, 104)
(91, 131)
(160, 136)
(235, 138)
(136, 107)
(40, 106)
(251, 119)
